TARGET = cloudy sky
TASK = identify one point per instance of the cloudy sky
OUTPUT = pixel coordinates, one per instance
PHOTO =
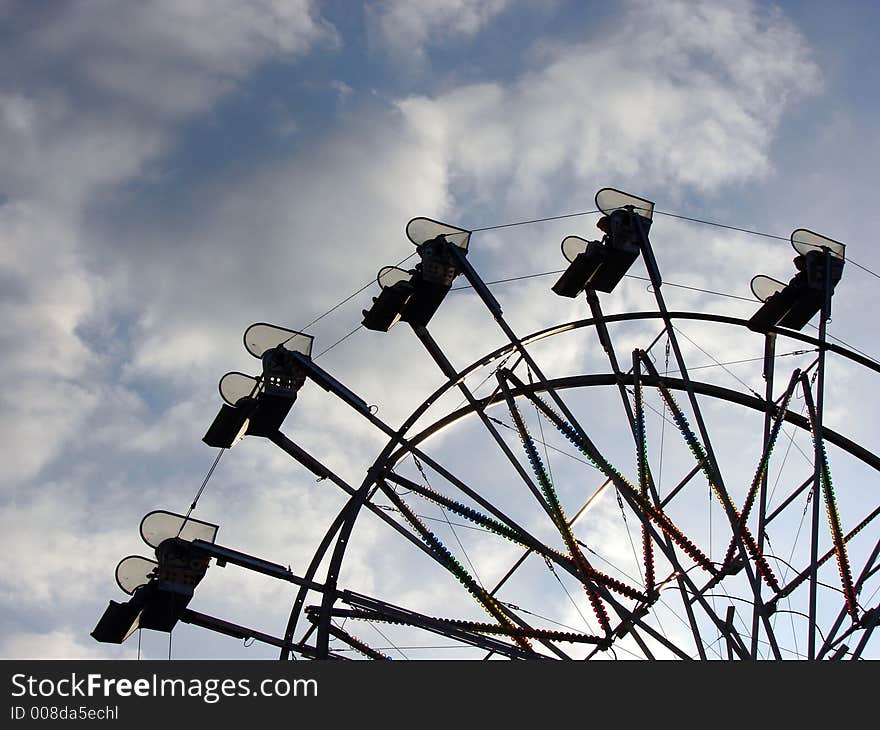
(171, 172)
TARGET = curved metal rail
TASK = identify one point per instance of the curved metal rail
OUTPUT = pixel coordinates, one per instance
(399, 445)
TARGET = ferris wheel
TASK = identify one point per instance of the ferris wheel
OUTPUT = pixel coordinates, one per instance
(561, 535)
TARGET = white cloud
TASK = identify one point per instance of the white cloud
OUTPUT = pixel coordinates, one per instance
(98, 92)
(280, 246)
(171, 59)
(130, 72)
(48, 294)
(60, 538)
(57, 644)
(678, 95)
(408, 28)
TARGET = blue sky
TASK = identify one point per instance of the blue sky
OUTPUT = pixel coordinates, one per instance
(173, 171)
